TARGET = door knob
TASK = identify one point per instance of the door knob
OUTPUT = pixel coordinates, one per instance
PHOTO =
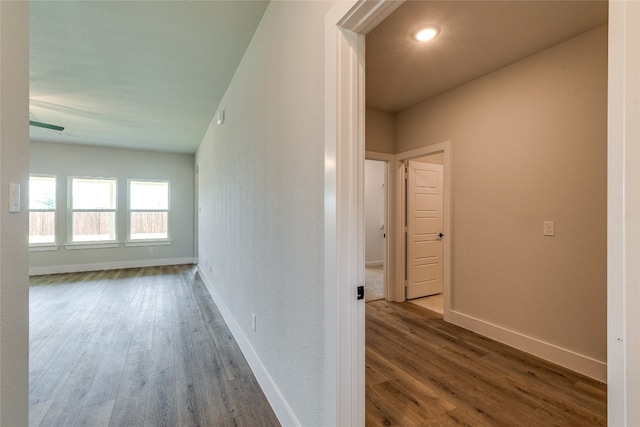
(441, 235)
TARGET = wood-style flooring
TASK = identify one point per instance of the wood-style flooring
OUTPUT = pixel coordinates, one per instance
(422, 371)
(136, 347)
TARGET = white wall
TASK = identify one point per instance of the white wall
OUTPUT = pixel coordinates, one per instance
(374, 211)
(529, 144)
(261, 192)
(14, 167)
(66, 160)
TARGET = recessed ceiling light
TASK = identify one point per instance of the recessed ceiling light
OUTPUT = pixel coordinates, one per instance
(427, 33)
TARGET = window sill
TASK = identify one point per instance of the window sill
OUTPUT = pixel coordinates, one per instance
(43, 248)
(91, 245)
(159, 242)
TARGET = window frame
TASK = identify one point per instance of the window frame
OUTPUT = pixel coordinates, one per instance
(70, 211)
(148, 241)
(35, 246)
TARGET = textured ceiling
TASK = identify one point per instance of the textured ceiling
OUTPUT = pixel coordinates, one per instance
(136, 74)
(476, 38)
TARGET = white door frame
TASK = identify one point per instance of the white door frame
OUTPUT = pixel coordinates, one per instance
(623, 215)
(399, 197)
(345, 26)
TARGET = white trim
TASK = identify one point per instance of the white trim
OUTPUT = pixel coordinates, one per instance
(423, 151)
(91, 245)
(135, 243)
(43, 248)
(367, 14)
(560, 356)
(345, 26)
(344, 316)
(623, 232)
(278, 403)
(77, 268)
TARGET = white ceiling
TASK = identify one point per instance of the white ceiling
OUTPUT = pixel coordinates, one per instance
(476, 38)
(135, 74)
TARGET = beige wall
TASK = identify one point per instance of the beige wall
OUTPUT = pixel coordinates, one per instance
(529, 144)
(435, 159)
(379, 131)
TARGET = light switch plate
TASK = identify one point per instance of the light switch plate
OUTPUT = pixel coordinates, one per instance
(14, 197)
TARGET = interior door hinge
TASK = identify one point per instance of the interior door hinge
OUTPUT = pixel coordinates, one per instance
(360, 292)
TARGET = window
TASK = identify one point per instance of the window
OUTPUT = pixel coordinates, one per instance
(148, 210)
(42, 209)
(93, 210)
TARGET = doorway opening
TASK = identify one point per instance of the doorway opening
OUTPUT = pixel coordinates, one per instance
(375, 233)
(358, 22)
(431, 269)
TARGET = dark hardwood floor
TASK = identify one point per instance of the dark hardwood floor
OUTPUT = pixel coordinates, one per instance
(422, 371)
(136, 347)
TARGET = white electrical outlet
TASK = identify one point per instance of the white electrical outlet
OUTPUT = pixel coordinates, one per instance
(549, 228)
(253, 321)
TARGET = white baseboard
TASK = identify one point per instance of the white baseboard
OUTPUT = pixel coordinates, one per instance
(57, 269)
(279, 404)
(374, 264)
(552, 353)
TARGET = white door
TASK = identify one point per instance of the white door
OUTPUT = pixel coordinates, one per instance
(424, 228)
